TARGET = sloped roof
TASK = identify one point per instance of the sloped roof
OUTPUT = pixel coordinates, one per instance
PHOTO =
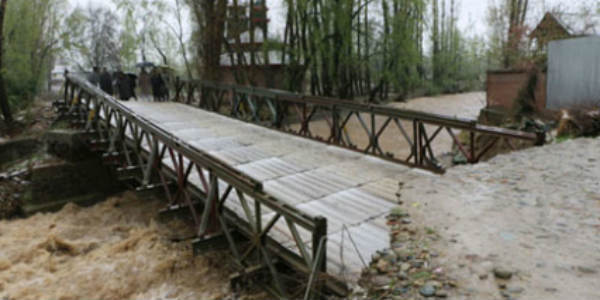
(550, 22)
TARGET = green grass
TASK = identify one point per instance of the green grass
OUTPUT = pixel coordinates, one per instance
(563, 138)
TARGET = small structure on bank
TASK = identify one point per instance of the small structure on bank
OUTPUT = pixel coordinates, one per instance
(549, 29)
(507, 88)
(574, 74)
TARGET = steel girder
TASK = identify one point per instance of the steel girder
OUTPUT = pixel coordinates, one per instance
(280, 109)
(207, 186)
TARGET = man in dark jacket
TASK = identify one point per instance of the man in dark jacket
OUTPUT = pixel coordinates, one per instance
(94, 77)
(133, 84)
(159, 87)
(106, 82)
(124, 86)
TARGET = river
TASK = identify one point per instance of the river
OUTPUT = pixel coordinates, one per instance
(113, 250)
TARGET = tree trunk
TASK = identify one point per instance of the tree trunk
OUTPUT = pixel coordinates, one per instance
(517, 12)
(3, 97)
(210, 15)
(436, 43)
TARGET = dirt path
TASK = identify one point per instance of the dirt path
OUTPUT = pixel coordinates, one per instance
(114, 250)
(534, 212)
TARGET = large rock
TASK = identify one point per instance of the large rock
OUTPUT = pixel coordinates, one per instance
(67, 144)
(502, 272)
(84, 183)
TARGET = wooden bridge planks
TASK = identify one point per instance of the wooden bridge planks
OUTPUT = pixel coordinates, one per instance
(353, 191)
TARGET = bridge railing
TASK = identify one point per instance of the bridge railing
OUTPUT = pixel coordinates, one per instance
(220, 199)
(403, 136)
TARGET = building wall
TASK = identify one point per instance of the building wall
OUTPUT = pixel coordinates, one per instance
(574, 73)
(503, 88)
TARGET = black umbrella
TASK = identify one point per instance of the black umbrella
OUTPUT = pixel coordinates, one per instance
(145, 64)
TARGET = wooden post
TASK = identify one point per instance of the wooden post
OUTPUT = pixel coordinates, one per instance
(314, 282)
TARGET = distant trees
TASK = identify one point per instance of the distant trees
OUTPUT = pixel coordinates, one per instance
(447, 45)
(6, 113)
(31, 38)
(371, 49)
(517, 12)
(506, 20)
(177, 29)
(93, 38)
(147, 33)
(320, 36)
(402, 46)
(346, 53)
(582, 19)
(209, 29)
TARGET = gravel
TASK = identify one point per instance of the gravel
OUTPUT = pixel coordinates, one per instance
(534, 212)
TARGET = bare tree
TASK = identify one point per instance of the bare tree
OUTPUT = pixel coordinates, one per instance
(178, 31)
(94, 38)
(517, 12)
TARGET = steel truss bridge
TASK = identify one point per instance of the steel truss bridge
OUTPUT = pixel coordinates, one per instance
(301, 211)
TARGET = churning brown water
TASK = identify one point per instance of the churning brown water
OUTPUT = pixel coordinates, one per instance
(113, 250)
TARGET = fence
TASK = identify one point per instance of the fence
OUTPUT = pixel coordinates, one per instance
(378, 125)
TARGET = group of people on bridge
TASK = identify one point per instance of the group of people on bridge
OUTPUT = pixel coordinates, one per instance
(152, 85)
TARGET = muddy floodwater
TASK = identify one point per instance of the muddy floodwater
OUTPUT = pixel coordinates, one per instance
(113, 250)
(465, 106)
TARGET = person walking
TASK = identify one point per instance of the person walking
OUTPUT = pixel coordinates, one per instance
(94, 77)
(106, 82)
(159, 87)
(124, 86)
(145, 84)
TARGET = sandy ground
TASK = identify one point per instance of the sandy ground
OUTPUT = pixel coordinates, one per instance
(465, 105)
(534, 212)
(113, 250)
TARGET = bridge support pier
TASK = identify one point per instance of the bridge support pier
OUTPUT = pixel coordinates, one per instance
(245, 278)
(217, 241)
(146, 154)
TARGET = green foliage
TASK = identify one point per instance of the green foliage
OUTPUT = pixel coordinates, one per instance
(349, 48)
(93, 38)
(405, 61)
(128, 41)
(148, 33)
(456, 59)
(21, 87)
(564, 138)
(31, 31)
(137, 30)
(507, 41)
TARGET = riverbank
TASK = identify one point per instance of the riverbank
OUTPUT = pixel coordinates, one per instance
(524, 225)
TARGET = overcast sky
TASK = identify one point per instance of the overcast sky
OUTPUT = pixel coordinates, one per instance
(472, 18)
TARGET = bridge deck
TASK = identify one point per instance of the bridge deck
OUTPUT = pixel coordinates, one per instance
(353, 191)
